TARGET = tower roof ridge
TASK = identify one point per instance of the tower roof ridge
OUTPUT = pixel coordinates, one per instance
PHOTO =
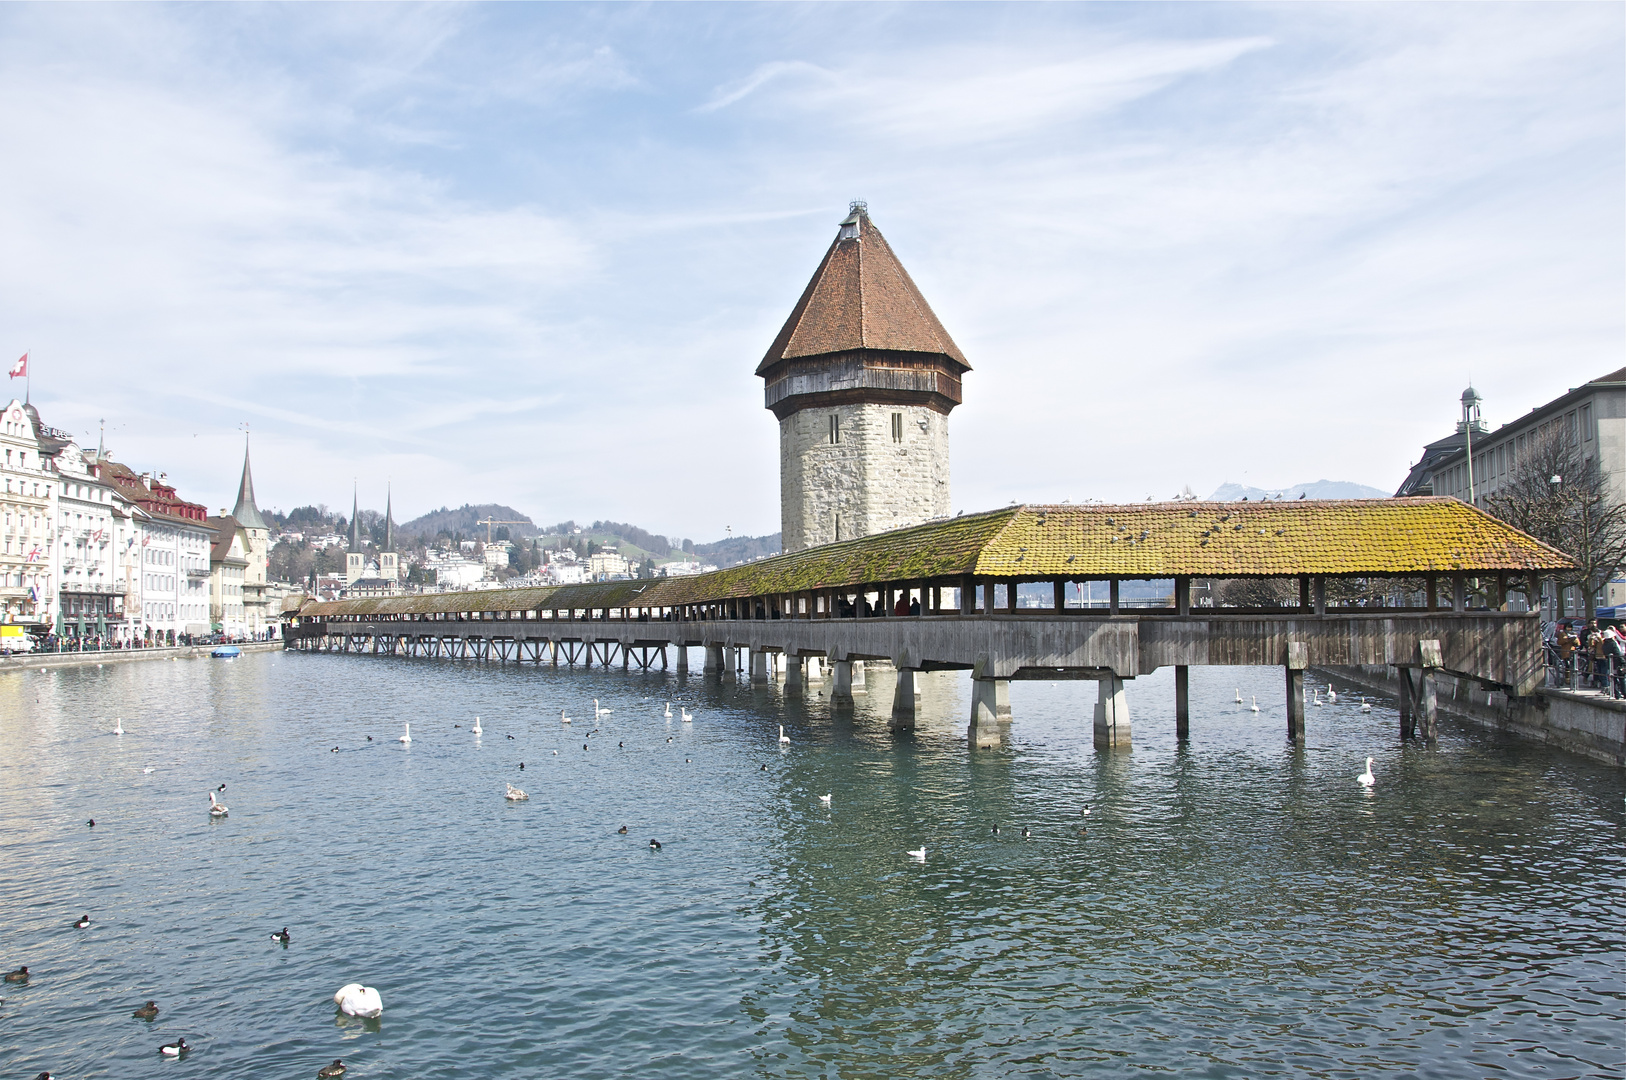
(860, 297)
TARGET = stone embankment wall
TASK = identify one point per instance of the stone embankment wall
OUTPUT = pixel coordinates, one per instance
(121, 656)
(1585, 724)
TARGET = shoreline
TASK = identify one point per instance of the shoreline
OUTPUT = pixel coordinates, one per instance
(124, 656)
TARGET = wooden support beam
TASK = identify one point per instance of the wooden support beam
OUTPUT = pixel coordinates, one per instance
(1182, 703)
(1112, 597)
(1059, 596)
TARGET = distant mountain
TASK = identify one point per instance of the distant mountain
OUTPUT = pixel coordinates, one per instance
(466, 520)
(739, 549)
(1317, 489)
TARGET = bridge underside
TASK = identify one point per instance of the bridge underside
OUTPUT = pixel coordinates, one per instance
(1498, 649)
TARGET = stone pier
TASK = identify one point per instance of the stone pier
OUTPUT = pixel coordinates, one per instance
(1111, 714)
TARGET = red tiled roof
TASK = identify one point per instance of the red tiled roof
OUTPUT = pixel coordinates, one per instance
(861, 297)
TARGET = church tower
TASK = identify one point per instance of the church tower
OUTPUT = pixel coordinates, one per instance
(389, 562)
(355, 556)
(862, 378)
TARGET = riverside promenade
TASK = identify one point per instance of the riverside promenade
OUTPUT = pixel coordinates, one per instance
(123, 656)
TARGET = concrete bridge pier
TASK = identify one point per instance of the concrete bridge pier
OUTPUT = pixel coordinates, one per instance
(714, 661)
(990, 711)
(841, 688)
(903, 701)
(682, 658)
(759, 667)
(793, 667)
(1111, 714)
(858, 684)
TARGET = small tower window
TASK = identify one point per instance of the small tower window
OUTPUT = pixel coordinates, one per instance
(835, 428)
(838, 526)
(897, 427)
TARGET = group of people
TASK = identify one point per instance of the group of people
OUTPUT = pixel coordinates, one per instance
(1592, 655)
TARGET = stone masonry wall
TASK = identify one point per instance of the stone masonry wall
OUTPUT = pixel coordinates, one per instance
(866, 482)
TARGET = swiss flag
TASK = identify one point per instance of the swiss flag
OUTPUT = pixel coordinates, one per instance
(20, 367)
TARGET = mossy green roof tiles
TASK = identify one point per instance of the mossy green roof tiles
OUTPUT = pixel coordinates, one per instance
(1364, 537)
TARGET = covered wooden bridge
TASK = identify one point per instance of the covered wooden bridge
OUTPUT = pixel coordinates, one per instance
(1103, 593)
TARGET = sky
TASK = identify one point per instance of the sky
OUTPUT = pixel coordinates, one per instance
(532, 254)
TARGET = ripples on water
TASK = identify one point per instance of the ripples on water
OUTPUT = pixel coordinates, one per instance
(1237, 908)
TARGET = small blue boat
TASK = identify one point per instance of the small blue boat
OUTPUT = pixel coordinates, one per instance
(226, 652)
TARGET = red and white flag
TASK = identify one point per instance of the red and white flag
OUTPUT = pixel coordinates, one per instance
(20, 368)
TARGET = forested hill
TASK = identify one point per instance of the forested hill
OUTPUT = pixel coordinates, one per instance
(466, 520)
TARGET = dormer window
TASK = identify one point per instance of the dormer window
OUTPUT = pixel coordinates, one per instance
(850, 232)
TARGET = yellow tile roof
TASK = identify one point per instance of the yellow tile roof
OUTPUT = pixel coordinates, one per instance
(1371, 537)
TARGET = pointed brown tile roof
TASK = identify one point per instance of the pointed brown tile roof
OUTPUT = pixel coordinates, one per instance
(860, 297)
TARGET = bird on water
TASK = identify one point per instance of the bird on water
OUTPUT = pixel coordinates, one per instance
(18, 976)
(118, 726)
(174, 1049)
(1239, 695)
(148, 1011)
(82, 922)
(918, 854)
(622, 831)
(824, 799)
(1366, 779)
(406, 736)
(329, 1072)
(669, 710)
(1332, 695)
(281, 937)
(1366, 706)
(216, 807)
(783, 738)
(654, 845)
(91, 823)
(563, 719)
(1255, 706)
(514, 794)
(688, 717)
(477, 729)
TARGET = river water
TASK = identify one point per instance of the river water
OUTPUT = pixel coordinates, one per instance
(1234, 908)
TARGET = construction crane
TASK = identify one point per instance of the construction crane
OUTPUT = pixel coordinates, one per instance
(489, 522)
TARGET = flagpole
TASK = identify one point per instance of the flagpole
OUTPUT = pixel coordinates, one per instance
(28, 380)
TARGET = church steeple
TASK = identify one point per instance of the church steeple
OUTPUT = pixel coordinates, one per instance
(355, 521)
(389, 522)
(246, 513)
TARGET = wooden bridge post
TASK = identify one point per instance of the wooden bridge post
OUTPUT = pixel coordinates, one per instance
(1111, 714)
(1427, 703)
(1408, 703)
(1112, 597)
(1182, 703)
(1298, 658)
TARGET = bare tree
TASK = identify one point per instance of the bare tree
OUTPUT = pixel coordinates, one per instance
(1561, 497)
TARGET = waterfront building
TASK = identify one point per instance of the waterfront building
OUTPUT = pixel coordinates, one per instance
(255, 536)
(92, 523)
(862, 378)
(164, 555)
(28, 563)
(606, 564)
(1592, 415)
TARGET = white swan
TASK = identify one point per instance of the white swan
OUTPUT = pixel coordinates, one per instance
(1366, 779)
(783, 738)
(354, 999)
(688, 717)
(1332, 695)
(118, 726)
(1366, 706)
(824, 800)
(1239, 695)
(1317, 701)
(563, 719)
(406, 736)
(598, 712)
(919, 854)
(669, 710)
(216, 807)
(477, 729)
(515, 794)
(1255, 706)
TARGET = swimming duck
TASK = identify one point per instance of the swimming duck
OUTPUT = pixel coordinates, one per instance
(354, 999)
(1027, 833)
(515, 794)
(622, 831)
(83, 921)
(216, 808)
(18, 976)
(281, 937)
(654, 845)
(328, 1072)
(91, 823)
(174, 1049)
(147, 1011)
